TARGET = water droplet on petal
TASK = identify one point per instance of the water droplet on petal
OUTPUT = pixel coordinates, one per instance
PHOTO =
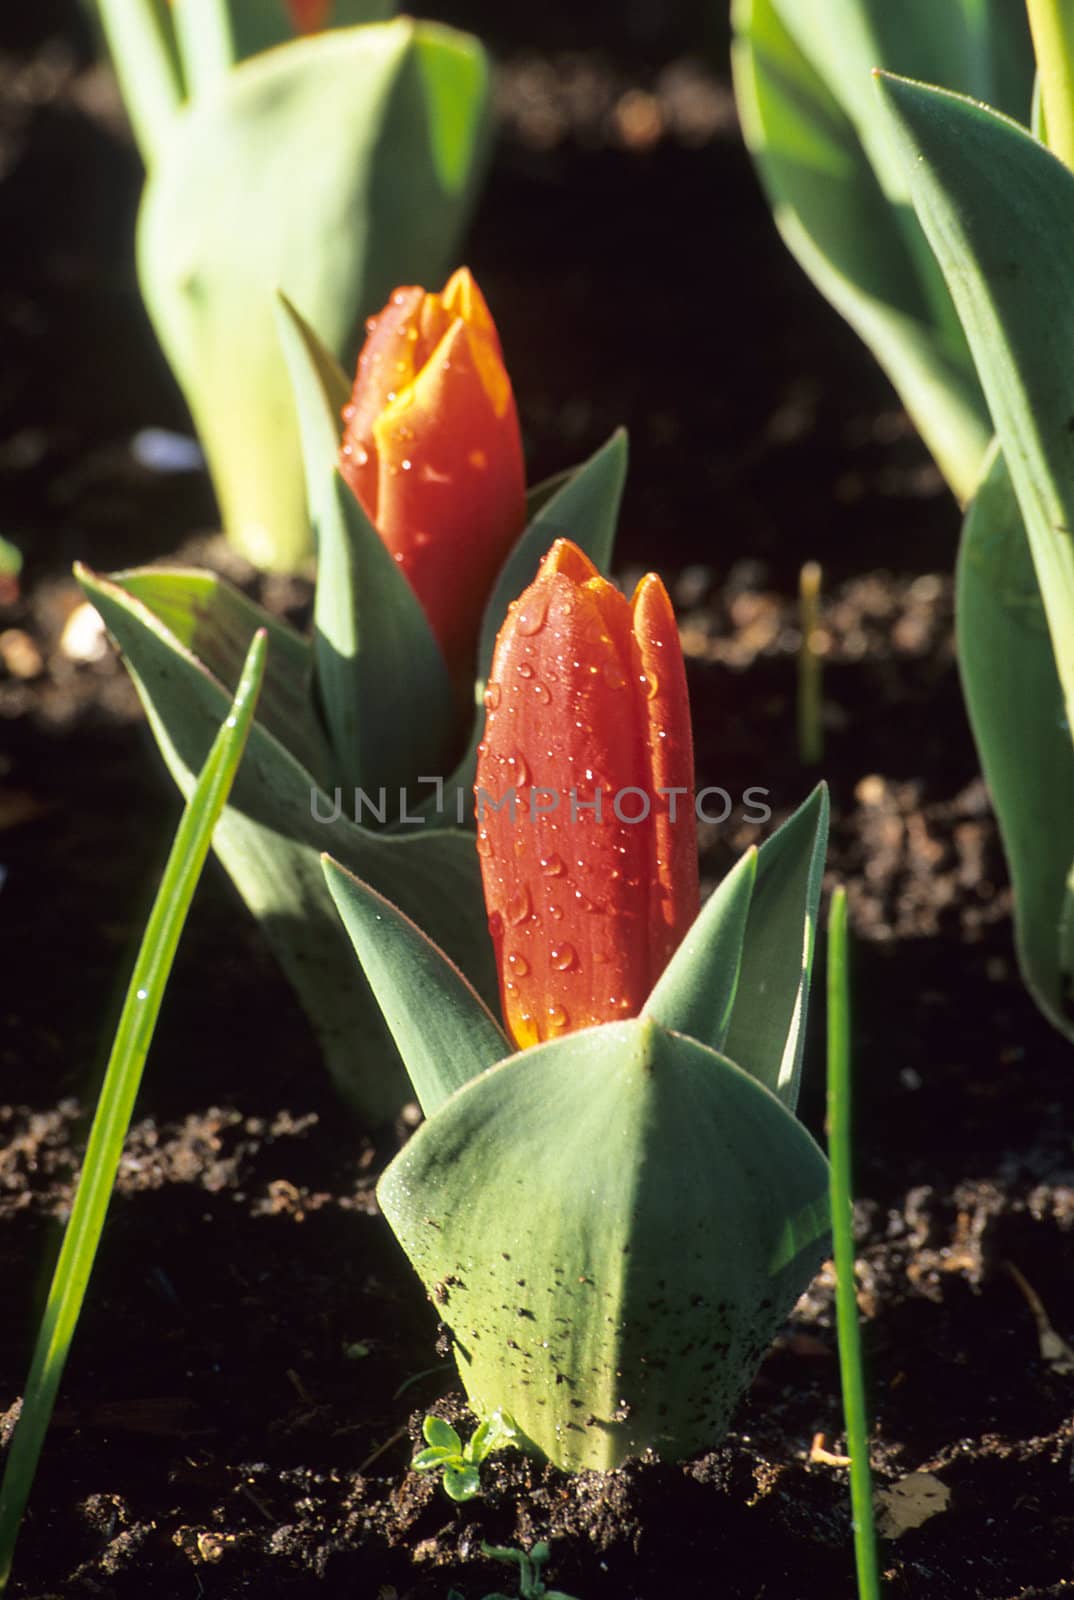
(532, 615)
(518, 964)
(558, 1018)
(541, 694)
(556, 913)
(553, 866)
(564, 958)
(484, 843)
(520, 772)
(525, 670)
(651, 684)
(493, 696)
(518, 907)
(406, 464)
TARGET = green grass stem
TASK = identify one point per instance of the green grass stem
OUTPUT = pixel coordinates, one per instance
(846, 1302)
(118, 1092)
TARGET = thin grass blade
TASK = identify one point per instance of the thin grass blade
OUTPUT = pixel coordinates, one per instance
(116, 1104)
(846, 1303)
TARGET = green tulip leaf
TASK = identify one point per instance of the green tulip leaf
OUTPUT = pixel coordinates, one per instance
(838, 192)
(1023, 736)
(697, 991)
(452, 1035)
(613, 1226)
(767, 1032)
(215, 622)
(998, 209)
(332, 169)
(582, 505)
(270, 839)
(380, 675)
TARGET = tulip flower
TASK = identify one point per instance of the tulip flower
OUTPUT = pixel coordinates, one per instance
(590, 861)
(309, 16)
(432, 450)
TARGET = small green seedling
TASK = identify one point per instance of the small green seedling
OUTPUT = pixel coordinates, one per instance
(461, 1464)
(530, 1586)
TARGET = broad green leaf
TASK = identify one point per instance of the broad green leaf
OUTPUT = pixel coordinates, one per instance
(111, 1121)
(1022, 732)
(270, 840)
(582, 505)
(462, 1483)
(441, 1435)
(380, 676)
(448, 1038)
(838, 193)
(332, 169)
(998, 210)
(215, 622)
(614, 1226)
(767, 1032)
(697, 990)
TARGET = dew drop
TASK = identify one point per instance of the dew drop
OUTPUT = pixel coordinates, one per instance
(525, 670)
(406, 464)
(484, 843)
(558, 1018)
(142, 994)
(553, 866)
(541, 694)
(564, 958)
(520, 772)
(493, 696)
(556, 913)
(518, 964)
(651, 684)
(532, 615)
(518, 907)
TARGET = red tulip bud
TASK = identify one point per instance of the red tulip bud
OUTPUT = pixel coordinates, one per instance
(592, 885)
(432, 450)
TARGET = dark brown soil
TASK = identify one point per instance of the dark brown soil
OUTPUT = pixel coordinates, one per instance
(254, 1359)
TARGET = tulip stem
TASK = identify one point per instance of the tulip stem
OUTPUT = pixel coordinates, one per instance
(141, 43)
(846, 1302)
(1051, 23)
(810, 668)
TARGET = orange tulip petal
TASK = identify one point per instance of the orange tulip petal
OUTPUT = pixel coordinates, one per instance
(566, 890)
(309, 16)
(668, 739)
(567, 558)
(433, 452)
(450, 487)
(386, 365)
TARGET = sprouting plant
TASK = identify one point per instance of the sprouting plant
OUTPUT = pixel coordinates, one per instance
(530, 1584)
(461, 1463)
